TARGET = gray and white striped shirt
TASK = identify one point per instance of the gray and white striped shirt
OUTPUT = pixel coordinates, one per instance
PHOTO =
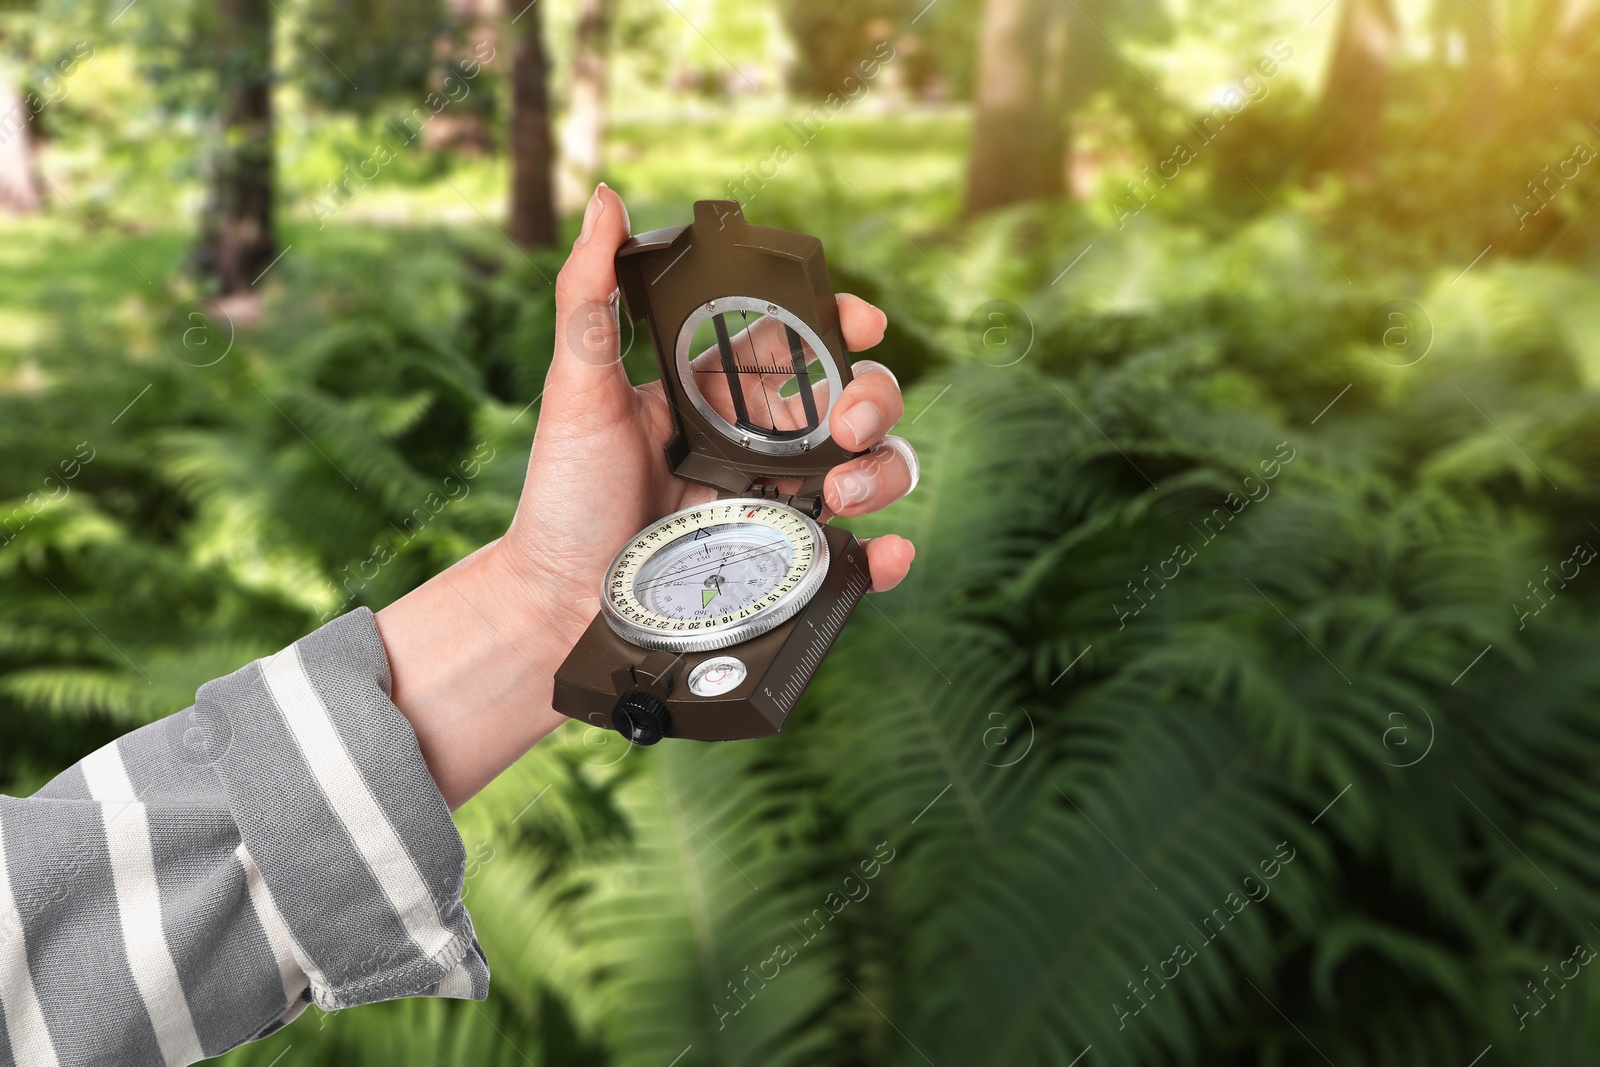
(195, 884)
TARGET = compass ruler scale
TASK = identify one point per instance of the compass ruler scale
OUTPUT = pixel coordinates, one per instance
(714, 619)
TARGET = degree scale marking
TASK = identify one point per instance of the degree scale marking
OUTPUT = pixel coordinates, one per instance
(779, 520)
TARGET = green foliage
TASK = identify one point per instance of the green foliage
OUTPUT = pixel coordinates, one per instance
(230, 506)
(355, 53)
(834, 38)
(1225, 633)
(1067, 777)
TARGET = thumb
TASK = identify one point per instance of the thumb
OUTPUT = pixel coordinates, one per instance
(586, 371)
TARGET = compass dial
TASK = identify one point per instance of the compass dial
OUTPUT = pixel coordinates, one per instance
(711, 576)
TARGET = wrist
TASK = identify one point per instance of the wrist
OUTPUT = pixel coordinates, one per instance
(473, 654)
(535, 593)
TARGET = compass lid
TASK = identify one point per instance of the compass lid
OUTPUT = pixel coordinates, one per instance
(746, 330)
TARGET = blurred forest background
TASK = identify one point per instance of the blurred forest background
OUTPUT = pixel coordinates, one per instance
(1253, 353)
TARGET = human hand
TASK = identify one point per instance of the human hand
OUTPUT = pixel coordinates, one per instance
(473, 652)
(598, 472)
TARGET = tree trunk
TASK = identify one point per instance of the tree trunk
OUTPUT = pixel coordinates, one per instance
(583, 138)
(19, 184)
(237, 241)
(1019, 133)
(1349, 118)
(533, 213)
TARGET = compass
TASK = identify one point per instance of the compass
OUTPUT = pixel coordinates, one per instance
(714, 619)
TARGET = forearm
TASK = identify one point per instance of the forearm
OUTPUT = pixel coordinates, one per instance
(473, 654)
(196, 883)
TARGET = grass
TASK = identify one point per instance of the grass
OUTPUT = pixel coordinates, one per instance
(55, 258)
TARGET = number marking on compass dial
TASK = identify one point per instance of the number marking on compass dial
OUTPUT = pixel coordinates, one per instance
(715, 575)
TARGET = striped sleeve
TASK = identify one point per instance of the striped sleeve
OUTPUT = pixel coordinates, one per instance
(197, 883)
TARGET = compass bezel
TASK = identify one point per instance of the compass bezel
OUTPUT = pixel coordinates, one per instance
(639, 627)
(757, 442)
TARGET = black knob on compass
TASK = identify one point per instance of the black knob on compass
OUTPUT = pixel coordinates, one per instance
(641, 718)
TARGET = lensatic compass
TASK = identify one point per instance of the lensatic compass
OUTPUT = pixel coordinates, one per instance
(714, 619)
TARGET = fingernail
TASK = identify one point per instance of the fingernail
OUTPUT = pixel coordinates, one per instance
(864, 421)
(591, 215)
(856, 487)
